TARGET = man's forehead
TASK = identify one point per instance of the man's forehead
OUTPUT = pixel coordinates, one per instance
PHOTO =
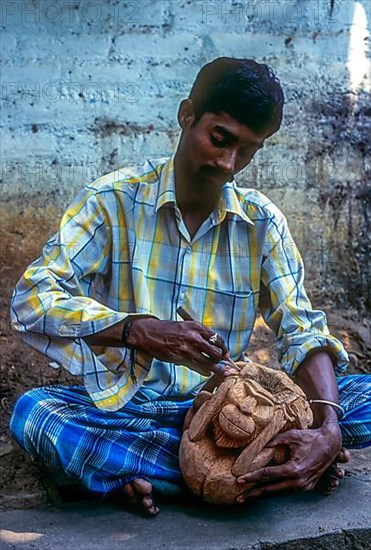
(228, 126)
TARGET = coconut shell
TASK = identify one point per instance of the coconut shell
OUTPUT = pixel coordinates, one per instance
(226, 433)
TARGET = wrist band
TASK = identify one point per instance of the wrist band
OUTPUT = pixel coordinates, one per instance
(124, 340)
(127, 327)
(125, 334)
(338, 408)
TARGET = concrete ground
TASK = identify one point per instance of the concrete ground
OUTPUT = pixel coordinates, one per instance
(301, 521)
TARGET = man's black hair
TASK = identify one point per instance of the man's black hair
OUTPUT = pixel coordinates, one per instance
(248, 91)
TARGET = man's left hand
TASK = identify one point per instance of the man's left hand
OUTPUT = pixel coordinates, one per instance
(311, 453)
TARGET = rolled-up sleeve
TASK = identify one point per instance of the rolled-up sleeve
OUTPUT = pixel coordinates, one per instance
(49, 298)
(63, 296)
(285, 305)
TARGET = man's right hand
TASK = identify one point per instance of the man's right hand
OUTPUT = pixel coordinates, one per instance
(179, 342)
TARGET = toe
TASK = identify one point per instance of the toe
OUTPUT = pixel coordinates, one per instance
(343, 456)
(333, 484)
(340, 473)
(142, 486)
(129, 490)
(139, 491)
(149, 506)
(143, 489)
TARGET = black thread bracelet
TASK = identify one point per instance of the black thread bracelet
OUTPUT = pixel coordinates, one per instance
(125, 334)
(124, 340)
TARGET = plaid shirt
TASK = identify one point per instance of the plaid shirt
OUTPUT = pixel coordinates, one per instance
(124, 249)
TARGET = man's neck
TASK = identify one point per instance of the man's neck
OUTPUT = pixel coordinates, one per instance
(191, 200)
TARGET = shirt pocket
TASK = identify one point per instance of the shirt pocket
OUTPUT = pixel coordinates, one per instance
(232, 315)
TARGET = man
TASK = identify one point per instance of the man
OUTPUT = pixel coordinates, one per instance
(102, 301)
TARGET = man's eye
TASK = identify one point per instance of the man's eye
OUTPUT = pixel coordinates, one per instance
(217, 142)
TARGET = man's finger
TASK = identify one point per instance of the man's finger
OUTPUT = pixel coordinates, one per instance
(210, 351)
(221, 344)
(203, 365)
(218, 341)
(268, 473)
(285, 438)
(309, 486)
(267, 490)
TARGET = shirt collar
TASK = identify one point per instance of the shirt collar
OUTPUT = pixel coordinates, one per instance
(166, 188)
(228, 201)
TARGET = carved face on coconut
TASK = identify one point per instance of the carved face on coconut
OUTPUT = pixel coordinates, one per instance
(249, 409)
(226, 433)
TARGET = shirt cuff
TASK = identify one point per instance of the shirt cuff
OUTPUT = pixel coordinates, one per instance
(68, 329)
(298, 346)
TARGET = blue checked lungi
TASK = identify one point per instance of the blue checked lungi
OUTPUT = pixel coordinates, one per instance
(105, 450)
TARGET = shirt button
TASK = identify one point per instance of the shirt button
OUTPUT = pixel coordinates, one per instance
(176, 388)
(182, 296)
(188, 250)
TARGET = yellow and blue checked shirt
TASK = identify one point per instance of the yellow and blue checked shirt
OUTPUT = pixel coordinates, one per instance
(123, 248)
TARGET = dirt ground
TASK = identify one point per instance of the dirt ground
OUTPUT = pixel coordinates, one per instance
(23, 368)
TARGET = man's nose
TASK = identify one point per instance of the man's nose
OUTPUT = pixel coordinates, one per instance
(226, 162)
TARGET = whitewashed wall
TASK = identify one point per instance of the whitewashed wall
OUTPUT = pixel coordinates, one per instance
(89, 86)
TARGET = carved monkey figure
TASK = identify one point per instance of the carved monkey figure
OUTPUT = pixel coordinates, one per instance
(226, 432)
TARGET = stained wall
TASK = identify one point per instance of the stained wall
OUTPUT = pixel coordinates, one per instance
(90, 86)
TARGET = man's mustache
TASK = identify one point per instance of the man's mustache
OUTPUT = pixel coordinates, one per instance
(208, 171)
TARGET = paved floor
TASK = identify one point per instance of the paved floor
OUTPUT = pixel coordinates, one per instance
(341, 521)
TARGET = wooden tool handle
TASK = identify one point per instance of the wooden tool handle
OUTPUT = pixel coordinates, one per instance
(184, 314)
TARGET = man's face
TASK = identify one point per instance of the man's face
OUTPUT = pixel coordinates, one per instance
(217, 148)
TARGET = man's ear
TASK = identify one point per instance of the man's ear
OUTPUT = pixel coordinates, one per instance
(186, 114)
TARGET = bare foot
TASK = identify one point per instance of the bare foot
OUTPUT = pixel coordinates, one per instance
(331, 478)
(140, 490)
